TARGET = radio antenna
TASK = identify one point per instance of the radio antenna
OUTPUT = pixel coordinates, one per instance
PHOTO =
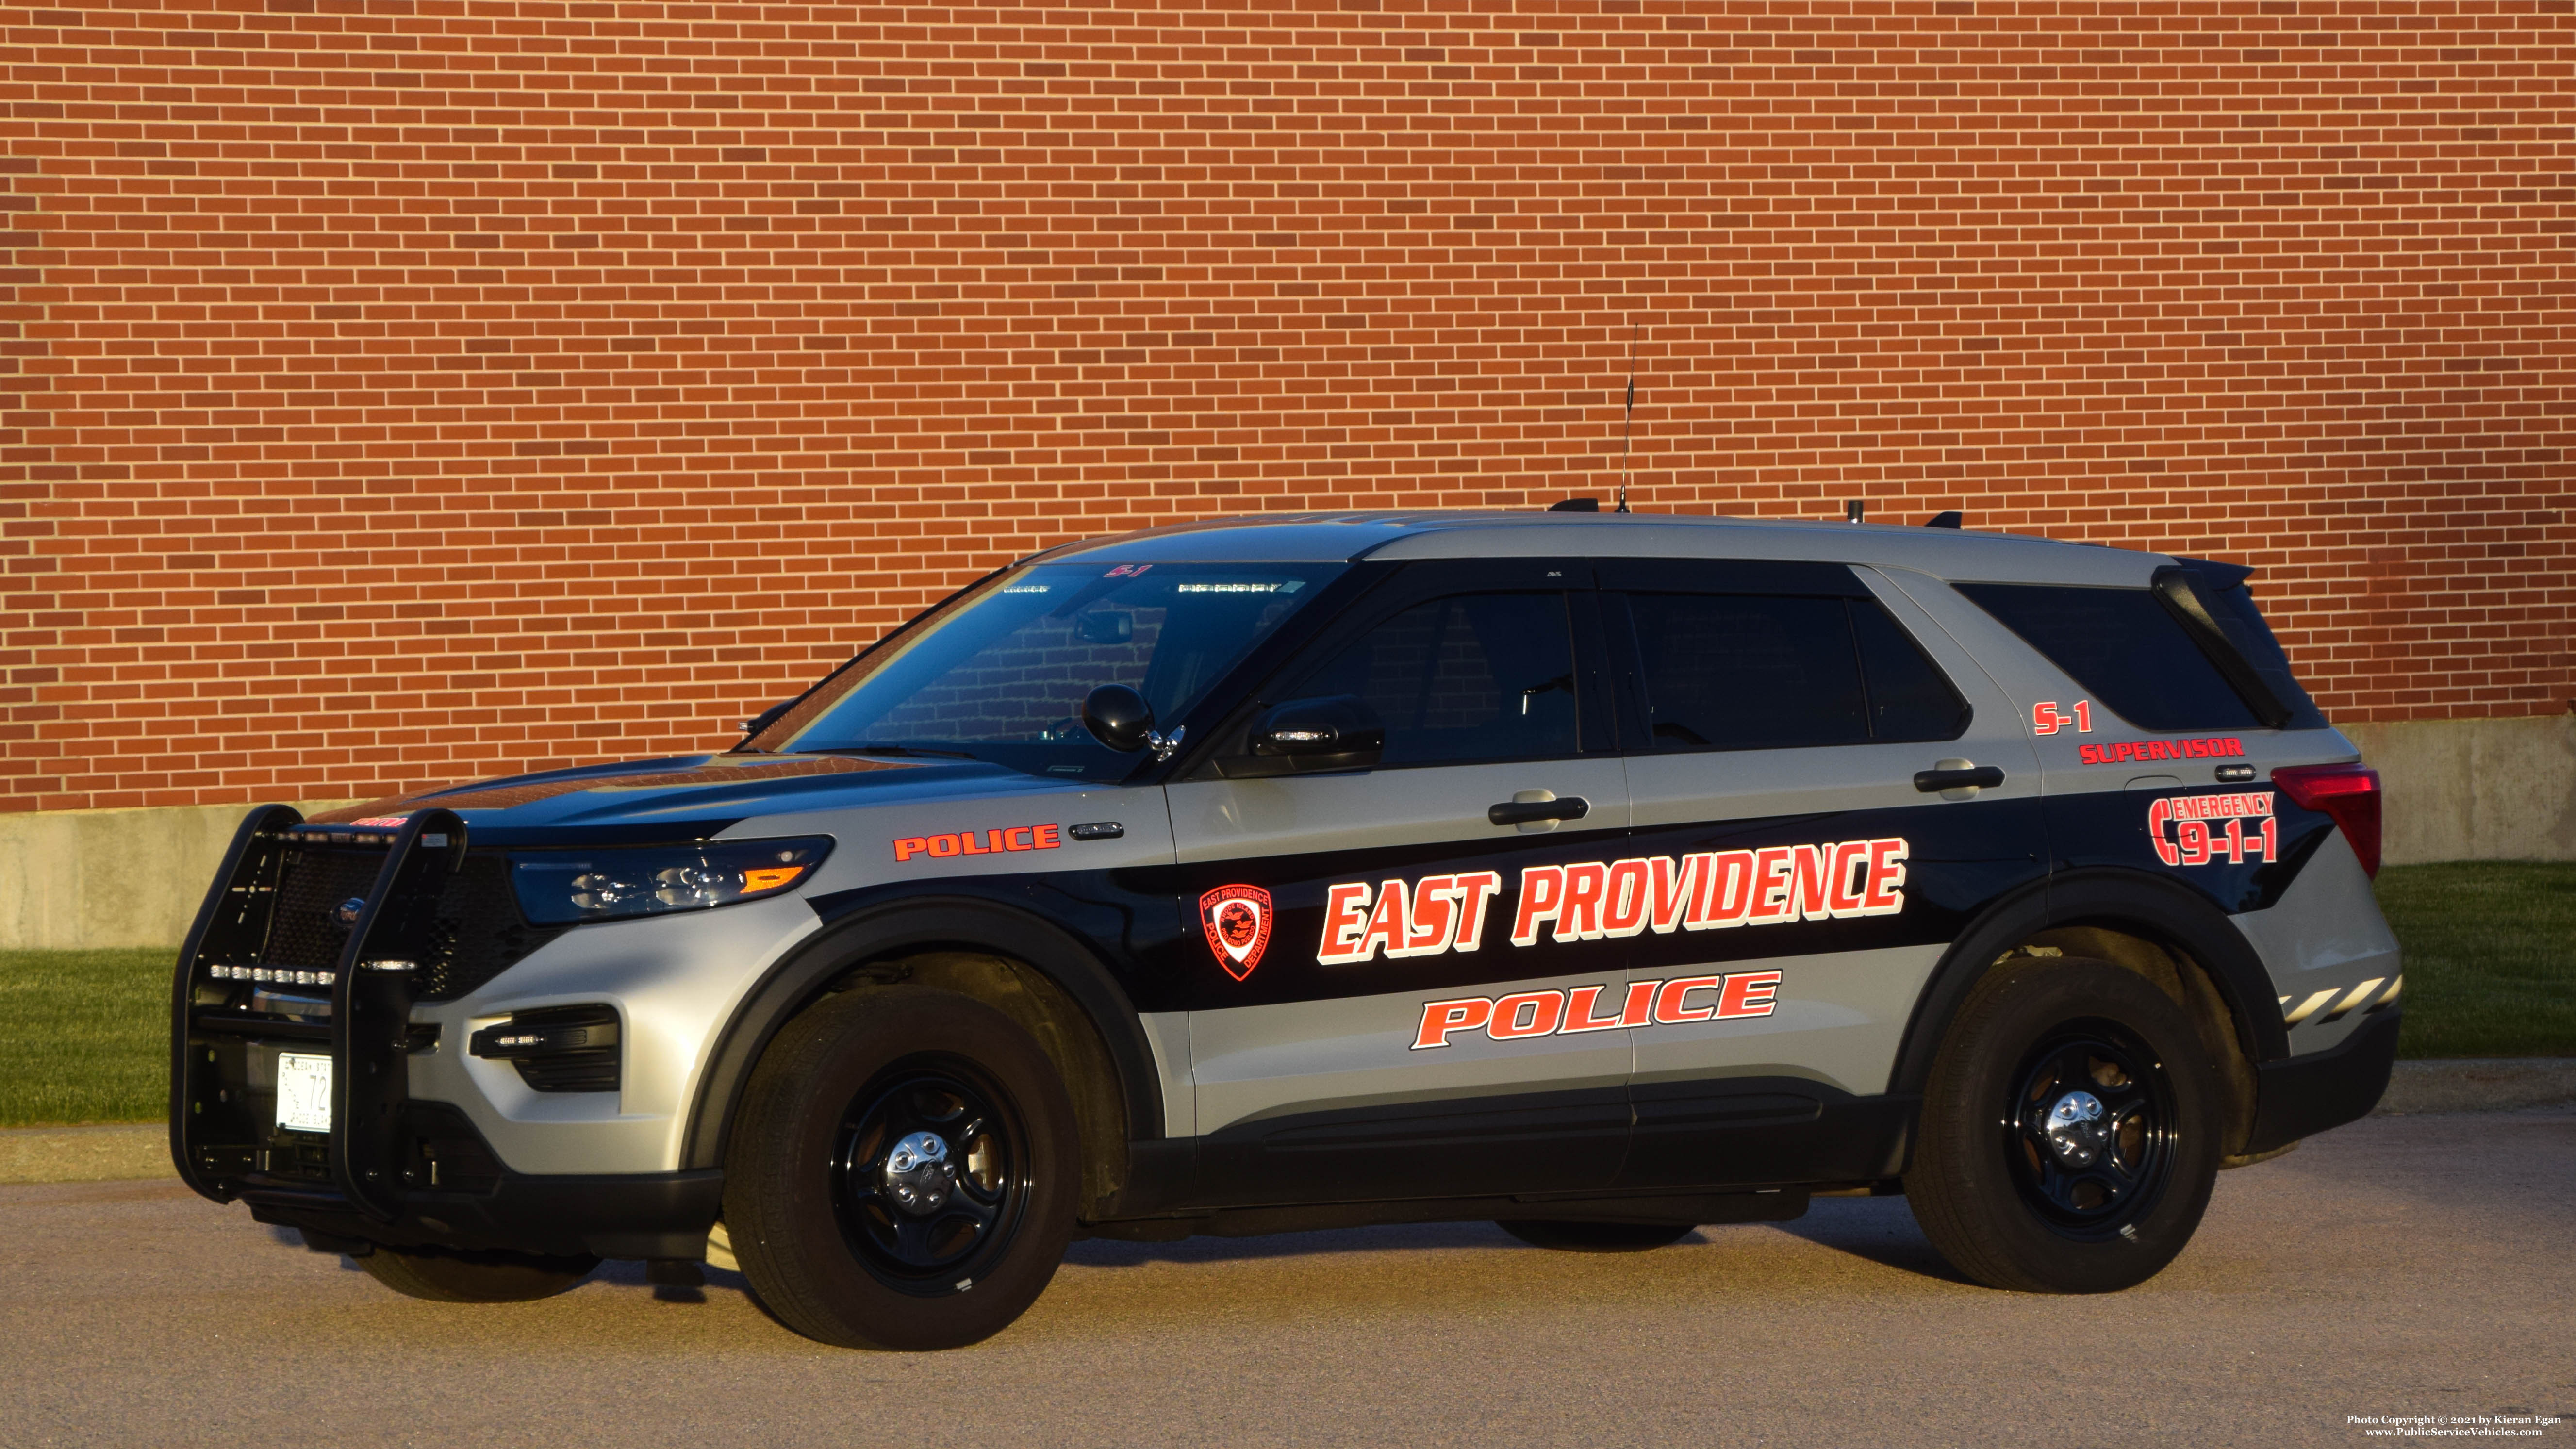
(1628, 427)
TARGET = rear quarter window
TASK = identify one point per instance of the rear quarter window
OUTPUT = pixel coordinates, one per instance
(2127, 652)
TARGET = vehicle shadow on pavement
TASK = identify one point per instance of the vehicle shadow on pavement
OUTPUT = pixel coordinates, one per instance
(1879, 1230)
(1393, 1238)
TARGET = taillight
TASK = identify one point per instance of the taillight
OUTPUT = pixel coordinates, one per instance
(2349, 793)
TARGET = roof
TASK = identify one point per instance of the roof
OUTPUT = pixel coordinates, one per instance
(1958, 554)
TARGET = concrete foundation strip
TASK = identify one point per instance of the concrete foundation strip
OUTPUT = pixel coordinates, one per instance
(142, 1150)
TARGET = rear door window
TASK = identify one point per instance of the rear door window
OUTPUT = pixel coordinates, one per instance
(2125, 649)
(1757, 672)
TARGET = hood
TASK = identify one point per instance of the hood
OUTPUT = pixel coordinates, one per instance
(687, 797)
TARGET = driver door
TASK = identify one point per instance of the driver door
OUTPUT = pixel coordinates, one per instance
(1354, 1052)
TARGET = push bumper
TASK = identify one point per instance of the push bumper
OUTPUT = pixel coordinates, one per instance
(2303, 1096)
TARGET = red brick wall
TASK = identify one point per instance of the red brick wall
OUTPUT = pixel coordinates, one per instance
(408, 390)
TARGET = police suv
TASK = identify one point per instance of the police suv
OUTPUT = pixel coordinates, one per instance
(1601, 875)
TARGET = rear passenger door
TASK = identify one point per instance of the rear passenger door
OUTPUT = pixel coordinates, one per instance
(1801, 743)
(1344, 1041)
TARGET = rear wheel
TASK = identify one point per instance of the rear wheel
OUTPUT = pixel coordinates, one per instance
(2070, 1131)
(903, 1172)
(457, 1277)
(1583, 1237)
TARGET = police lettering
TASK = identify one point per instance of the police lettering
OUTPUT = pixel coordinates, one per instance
(1682, 1001)
(991, 842)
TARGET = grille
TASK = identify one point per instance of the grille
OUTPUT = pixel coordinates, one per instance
(474, 934)
(477, 932)
(304, 933)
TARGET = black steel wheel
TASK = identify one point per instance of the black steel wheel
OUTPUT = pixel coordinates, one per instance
(932, 1177)
(2070, 1132)
(2091, 1128)
(903, 1171)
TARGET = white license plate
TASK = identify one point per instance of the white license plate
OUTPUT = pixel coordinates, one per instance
(303, 1093)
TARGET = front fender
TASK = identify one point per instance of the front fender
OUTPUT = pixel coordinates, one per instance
(959, 923)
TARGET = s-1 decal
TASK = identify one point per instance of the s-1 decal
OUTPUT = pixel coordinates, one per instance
(2215, 747)
(2045, 720)
(1527, 1014)
(990, 842)
(2205, 827)
(1594, 900)
(1237, 921)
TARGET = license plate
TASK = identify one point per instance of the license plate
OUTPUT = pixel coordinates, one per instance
(303, 1093)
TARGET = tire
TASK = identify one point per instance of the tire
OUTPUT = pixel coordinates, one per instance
(457, 1277)
(2070, 1131)
(1583, 1237)
(903, 1171)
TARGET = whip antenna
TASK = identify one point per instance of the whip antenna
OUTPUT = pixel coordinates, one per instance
(1628, 427)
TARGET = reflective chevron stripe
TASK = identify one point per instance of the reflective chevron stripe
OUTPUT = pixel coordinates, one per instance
(2355, 997)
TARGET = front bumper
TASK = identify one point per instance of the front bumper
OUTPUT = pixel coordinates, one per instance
(2303, 1096)
(390, 1007)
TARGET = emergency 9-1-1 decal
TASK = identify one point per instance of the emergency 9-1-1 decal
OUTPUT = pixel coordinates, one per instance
(2197, 829)
(1595, 900)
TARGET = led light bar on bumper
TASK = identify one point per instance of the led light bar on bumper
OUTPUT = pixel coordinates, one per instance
(568, 887)
(556, 1048)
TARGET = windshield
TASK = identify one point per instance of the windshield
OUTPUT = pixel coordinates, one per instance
(1001, 675)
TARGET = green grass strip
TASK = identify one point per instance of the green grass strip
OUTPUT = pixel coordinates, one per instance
(84, 1036)
(2489, 955)
(2490, 961)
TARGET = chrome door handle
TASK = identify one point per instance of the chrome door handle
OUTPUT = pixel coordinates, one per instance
(1522, 812)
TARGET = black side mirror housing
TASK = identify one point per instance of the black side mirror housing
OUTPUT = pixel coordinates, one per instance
(1118, 717)
(1332, 732)
(768, 717)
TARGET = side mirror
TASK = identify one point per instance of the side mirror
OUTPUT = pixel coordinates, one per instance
(768, 717)
(1334, 732)
(1119, 717)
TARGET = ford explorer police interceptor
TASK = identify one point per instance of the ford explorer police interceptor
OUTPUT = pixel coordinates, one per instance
(1602, 875)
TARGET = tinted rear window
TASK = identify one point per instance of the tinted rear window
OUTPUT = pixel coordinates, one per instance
(2127, 652)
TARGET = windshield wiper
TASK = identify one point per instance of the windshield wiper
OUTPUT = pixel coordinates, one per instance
(908, 750)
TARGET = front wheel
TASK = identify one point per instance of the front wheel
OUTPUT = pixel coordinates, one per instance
(903, 1173)
(2070, 1131)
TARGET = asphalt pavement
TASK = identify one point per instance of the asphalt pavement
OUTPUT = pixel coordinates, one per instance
(2403, 1266)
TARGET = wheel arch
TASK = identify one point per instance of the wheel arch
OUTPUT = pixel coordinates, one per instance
(2110, 913)
(939, 942)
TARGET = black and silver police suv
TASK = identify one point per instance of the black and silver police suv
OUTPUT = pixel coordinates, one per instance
(1600, 875)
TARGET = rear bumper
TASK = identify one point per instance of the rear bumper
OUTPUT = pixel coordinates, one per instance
(643, 1215)
(2302, 1096)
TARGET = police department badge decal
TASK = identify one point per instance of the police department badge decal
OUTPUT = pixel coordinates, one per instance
(1237, 921)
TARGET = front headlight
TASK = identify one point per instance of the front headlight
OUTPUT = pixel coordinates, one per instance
(561, 887)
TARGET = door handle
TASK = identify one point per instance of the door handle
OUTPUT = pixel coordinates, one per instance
(1974, 777)
(1522, 812)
